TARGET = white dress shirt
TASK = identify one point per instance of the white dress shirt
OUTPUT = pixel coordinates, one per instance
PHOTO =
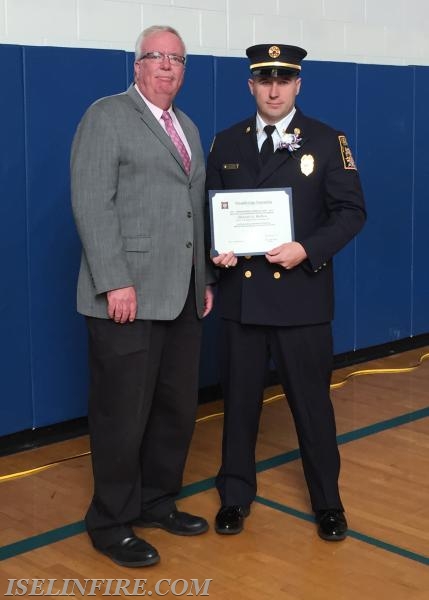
(280, 129)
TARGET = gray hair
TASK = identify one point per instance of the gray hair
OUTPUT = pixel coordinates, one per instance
(155, 29)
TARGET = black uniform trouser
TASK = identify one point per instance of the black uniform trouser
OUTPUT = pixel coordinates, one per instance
(303, 358)
(142, 408)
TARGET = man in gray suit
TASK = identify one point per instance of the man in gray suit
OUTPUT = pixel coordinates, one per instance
(144, 284)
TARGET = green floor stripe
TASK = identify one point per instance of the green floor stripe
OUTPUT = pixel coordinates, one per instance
(389, 547)
(196, 488)
(345, 438)
(56, 535)
(277, 461)
(43, 539)
(357, 434)
(285, 509)
(351, 533)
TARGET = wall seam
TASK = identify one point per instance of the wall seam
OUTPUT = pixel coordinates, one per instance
(413, 206)
(355, 315)
(27, 239)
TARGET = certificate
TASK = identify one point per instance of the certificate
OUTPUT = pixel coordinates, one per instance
(250, 222)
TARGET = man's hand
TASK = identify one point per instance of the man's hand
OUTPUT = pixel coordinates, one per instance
(225, 260)
(122, 304)
(287, 255)
(208, 300)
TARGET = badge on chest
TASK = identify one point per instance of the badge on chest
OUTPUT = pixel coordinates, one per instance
(307, 164)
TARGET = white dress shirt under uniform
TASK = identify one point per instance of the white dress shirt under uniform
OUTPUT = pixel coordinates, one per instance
(280, 129)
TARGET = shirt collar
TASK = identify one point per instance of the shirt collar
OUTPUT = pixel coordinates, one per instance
(155, 110)
(280, 126)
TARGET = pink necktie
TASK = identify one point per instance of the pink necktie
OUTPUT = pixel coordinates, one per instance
(175, 138)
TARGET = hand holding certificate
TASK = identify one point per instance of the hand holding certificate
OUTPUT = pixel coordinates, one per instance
(250, 222)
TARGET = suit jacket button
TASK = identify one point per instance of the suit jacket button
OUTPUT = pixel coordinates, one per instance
(247, 257)
(276, 275)
(189, 214)
(189, 244)
(248, 274)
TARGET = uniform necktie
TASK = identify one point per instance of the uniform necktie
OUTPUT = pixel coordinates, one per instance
(175, 138)
(267, 148)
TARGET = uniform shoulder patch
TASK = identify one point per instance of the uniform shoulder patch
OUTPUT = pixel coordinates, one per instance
(346, 153)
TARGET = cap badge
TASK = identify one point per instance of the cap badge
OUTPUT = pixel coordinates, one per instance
(274, 52)
(307, 164)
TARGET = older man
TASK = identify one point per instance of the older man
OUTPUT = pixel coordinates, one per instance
(138, 197)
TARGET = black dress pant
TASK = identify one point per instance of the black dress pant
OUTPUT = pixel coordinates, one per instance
(142, 408)
(303, 358)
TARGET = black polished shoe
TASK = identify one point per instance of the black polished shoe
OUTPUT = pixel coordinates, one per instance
(131, 552)
(332, 525)
(179, 523)
(230, 519)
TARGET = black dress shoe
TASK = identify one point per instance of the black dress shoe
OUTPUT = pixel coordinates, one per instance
(230, 519)
(179, 523)
(332, 525)
(131, 552)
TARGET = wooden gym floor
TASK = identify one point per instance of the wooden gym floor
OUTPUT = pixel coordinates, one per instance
(383, 432)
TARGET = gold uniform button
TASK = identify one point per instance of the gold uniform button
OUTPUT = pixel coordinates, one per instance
(276, 275)
(247, 257)
(248, 274)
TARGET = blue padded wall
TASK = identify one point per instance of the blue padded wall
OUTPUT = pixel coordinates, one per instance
(233, 101)
(336, 105)
(196, 97)
(15, 380)
(382, 287)
(385, 125)
(420, 275)
(60, 85)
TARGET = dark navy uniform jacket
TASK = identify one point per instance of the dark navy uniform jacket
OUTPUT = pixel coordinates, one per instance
(328, 211)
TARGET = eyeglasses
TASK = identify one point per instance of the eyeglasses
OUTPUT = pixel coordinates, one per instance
(175, 59)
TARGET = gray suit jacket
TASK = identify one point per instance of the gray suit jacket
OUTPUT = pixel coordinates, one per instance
(139, 215)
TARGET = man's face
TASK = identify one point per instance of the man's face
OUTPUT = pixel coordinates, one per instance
(275, 96)
(159, 80)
